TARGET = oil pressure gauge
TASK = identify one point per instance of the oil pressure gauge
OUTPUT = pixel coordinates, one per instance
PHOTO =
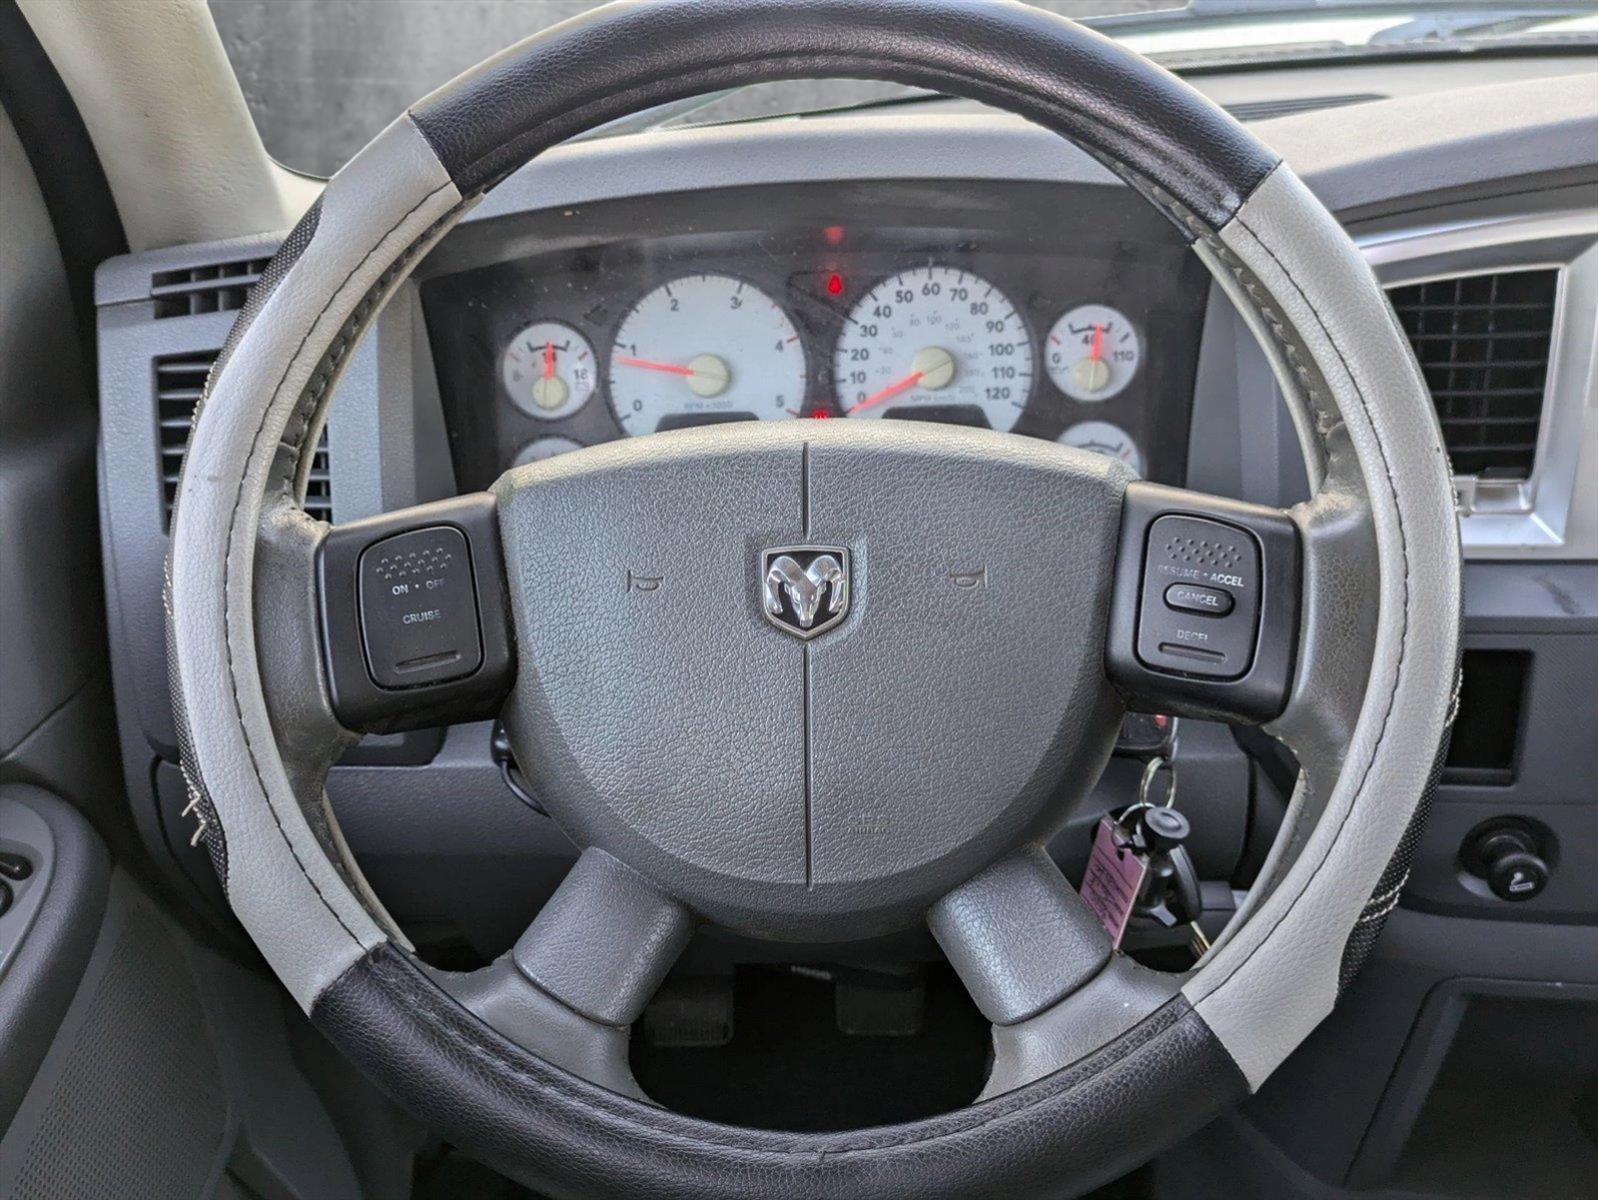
(1092, 352)
(548, 370)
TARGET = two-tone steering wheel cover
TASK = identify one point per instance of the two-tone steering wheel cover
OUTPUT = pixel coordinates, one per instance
(1376, 659)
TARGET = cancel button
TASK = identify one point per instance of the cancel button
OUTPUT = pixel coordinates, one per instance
(1191, 598)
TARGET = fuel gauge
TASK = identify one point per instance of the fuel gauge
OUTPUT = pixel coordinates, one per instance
(541, 448)
(548, 370)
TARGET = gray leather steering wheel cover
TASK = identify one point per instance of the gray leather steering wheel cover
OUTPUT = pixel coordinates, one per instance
(1373, 658)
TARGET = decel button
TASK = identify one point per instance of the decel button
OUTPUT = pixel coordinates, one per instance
(419, 608)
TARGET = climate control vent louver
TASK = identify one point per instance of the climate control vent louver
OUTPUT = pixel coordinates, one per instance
(1266, 110)
(1483, 344)
(219, 287)
(179, 380)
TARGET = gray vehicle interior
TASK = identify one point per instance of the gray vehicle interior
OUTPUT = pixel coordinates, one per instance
(146, 1047)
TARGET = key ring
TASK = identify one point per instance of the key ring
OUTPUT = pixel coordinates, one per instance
(1145, 787)
(1151, 771)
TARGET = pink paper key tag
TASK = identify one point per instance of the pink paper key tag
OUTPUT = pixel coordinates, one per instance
(1114, 877)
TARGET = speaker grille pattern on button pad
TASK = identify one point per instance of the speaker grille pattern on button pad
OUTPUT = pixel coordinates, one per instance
(1204, 552)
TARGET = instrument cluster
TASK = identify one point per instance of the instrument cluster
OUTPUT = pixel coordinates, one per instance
(1006, 319)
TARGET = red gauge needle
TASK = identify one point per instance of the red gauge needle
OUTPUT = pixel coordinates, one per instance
(668, 368)
(1098, 343)
(549, 360)
(889, 392)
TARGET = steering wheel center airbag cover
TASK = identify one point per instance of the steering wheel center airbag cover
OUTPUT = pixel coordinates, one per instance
(797, 787)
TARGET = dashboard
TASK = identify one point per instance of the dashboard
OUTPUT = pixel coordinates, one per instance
(835, 268)
(1048, 311)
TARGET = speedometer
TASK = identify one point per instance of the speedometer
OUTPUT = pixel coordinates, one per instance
(701, 349)
(938, 343)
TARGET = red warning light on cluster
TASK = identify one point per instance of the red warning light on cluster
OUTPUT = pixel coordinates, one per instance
(835, 284)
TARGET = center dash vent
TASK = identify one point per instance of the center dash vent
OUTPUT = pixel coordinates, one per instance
(1265, 110)
(179, 381)
(1483, 344)
(219, 287)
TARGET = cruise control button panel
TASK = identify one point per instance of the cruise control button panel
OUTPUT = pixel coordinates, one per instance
(419, 608)
(415, 617)
(1201, 587)
(1205, 611)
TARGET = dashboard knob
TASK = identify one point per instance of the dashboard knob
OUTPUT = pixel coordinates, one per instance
(1511, 863)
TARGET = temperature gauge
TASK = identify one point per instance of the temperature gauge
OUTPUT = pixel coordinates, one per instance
(1101, 437)
(548, 370)
(1092, 352)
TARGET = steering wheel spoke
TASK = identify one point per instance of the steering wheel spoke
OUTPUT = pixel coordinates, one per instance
(1204, 619)
(583, 971)
(415, 618)
(604, 941)
(1019, 937)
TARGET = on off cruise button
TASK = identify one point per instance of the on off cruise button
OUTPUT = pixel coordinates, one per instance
(1191, 598)
(418, 608)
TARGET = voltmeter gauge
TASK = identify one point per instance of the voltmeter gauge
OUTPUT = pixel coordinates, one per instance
(548, 370)
(1092, 352)
(1102, 437)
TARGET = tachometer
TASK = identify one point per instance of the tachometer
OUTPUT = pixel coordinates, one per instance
(936, 342)
(701, 349)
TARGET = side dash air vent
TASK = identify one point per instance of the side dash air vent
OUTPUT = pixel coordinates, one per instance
(1483, 344)
(179, 381)
(220, 287)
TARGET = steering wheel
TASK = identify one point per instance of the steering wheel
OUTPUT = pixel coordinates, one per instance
(848, 742)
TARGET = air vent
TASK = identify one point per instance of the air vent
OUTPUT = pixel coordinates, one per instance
(1265, 110)
(1482, 342)
(179, 381)
(219, 287)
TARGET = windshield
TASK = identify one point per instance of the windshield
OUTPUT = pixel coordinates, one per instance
(323, 76)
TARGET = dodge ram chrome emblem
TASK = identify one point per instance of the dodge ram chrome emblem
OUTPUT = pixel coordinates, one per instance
(804, 590)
